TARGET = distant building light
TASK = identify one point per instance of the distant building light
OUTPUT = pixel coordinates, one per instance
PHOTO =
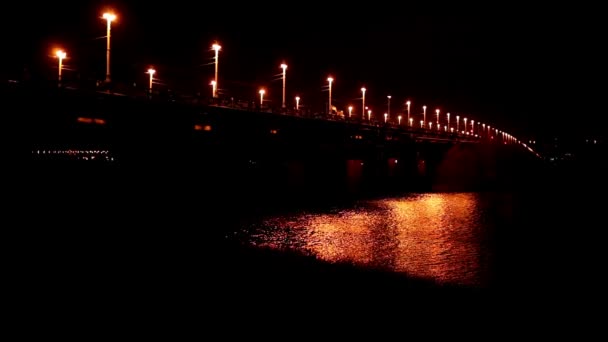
(84, 120)
(202, 128)
(273, 131)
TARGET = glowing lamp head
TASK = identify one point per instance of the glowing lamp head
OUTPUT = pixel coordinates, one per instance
(151, 71)
(216, 47)
(389, 97)
(408, 103)
(212, 83)
(297, 98)
(399, 117)
(350, 107)
(262, 92)
(363, 90)
(330, 79)
(109, 16)
(60, 53)
(437, 111)
(424, 107)
(283, 66)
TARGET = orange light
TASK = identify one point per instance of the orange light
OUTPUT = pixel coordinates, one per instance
(84, 120)
(109, 16)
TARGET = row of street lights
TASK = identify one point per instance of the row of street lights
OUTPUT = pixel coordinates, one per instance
(110, 17)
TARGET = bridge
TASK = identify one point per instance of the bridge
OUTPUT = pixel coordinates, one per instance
(281, 152)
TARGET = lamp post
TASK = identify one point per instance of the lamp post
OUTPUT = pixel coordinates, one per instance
(458, 124)
(60, 56)
(437, 111)
(262, 92)
(151, 71)
(465, 124)
(385, 117)
(216, 47)
(448, 119)
(369, 115)
(297, 103)
(109, 17)
(330, 80)
(424, 114)
(389, 105)
(399, 120)
(284, 67)
(411, 120)
(408, 111)
(363, 103)
(350, 111)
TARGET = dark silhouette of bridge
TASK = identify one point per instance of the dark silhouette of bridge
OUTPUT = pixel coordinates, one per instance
(253, 151)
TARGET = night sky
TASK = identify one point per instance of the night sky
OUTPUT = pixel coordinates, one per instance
(531, 72)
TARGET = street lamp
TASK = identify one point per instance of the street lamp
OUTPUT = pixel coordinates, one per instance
(216, 47)
(369, 115)
(350, 111)
(472, 126)
(389, 105)
(399, 119)
(284, 67)
(262, 92)
(448, 119)
(109, 17)
(151, 71)
(411, 120)
(457, 123)
(213, 88)
(408, 111)
(424, 114)
(465, 124)
(385, 117)
(437, 111)
(330, 80)
(297, 102)
(421, 123)
(60, 56)
(363, 104)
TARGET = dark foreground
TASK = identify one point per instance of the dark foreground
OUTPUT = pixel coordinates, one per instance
(105, 258)
(89, 234)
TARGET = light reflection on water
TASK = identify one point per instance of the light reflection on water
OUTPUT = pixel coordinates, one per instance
(433, 236)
